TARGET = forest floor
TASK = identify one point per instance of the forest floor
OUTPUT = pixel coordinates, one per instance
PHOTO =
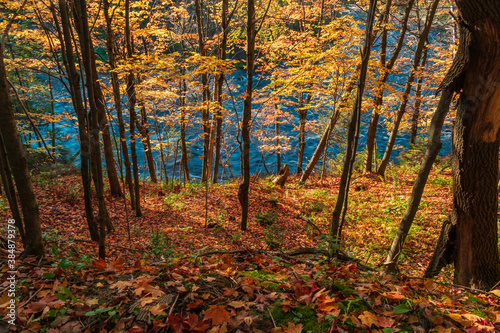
(185, 266)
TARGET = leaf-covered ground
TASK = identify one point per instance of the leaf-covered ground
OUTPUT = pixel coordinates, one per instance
(188, 268)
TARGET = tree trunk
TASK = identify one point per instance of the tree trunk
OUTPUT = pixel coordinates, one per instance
(247, 116)
(475, 73)
(76, 97)
(17, 161)
(433, 147)
(114, 182)
(402, 108)
(87, 50)
(183, 125)
(110, 43)
(10, 192)
(418, 101)
(386, 69)
(133, 116)
(352, 137)
(333, 120)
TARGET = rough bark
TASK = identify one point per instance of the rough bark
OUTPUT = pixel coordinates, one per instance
(247, 116)
(433, 146)
(10, 192)
(282, 176)
(17, 161)
(353, 132)
(475, 73)
(411, 77)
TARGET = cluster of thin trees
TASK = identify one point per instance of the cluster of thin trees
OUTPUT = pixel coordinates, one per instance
(74, 31)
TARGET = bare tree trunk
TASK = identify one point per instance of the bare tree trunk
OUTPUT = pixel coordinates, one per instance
(10, 192)
(74, 82)
(333, 120)
(402, 108)
(87, 50)
(17, 161)
(433, 147)
(133, 116)
(386, 70)
(418, 101)
(110, 43)
(352, 138)
(247, 116)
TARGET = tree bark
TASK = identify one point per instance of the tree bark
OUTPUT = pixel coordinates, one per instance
(386, 69)
(17, 161)
(64, 36)
(133, 116)
(10, 192)
(87, 50)
(433, 147)
(475, 73)
(247, 116)
(352, 136)
(418, 101)
(402, 108)
(115, 83)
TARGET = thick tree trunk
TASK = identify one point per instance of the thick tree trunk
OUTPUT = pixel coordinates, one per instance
(352, 137)
(110, 43)
(17, 161)
(10, 192)
(402, 108)
(475, 73)
(76, 97)
(247, 116)
(433, 147)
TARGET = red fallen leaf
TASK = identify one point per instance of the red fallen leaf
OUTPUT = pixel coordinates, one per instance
(286, 306)
(100, 265)
(117, 265)
(138, 264)
(135, 329)
(35, 307)
(195, 325)
(218, 314)
(176, 324)
(292, 328)
(196, 304)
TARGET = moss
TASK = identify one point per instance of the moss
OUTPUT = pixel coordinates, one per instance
(300, 315)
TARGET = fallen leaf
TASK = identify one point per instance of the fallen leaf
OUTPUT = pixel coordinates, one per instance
(218, 314)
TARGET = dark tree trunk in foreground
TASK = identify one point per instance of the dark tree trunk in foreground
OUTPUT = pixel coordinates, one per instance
(475, 73)
(247, 116)
(10, 192)
(17, 161)
(353, 133)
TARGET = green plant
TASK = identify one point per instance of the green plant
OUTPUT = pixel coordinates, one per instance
(266, 218)
(160, 244)
(4, 205)
(236, 237)
(273, 236)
